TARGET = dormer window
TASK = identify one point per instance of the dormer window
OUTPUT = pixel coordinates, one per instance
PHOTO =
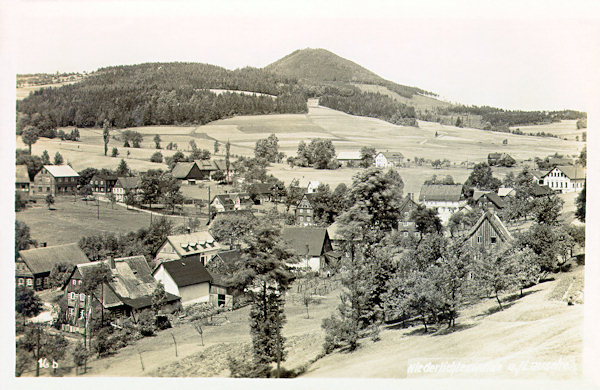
(493, 240)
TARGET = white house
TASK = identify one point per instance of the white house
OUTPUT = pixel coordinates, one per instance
(446, 199)
(312, 186)
(565, 178)
(388, 159)
(199, 246)
(125, 184)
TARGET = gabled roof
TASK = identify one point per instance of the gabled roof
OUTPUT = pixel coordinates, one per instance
(182, 169)
(61, 171)
(205, 165)
(537, 173)
(440, 192)
(128, 183)
(351, 155)
(391, 155)
(310, 197)
(21, 174)
(225, 200)
(538, 190)
(334, 231)
(230, 255)
(495, 199)
(494, 155)
(302, 238)
(496, 223)
(40, 260)
(220, 165)
(478, 194)
(407, 204)
(573, 172)
(186, 273)
(505, 191)
(193, 243)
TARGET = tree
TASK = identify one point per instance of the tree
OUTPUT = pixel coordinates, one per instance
(112, 198)
(294, 194)
(482, 178)
(29, 137)
(232, 229)
(23, 238)
(26, 302)
(150, 186)
(216, 147)
(170, 192)
(58, 159)
(130, 198)
(582, 160)
(580, 204)
(106, 135)
(193, 145)
(59, 274)
(547, 209)
(20, 202)
(49, 200)
(115, 152)
(159, 298)
(123, 169)
(157, 157)
(80, 357)
(157, 141)
(227, 156)
(496, 272)
(458, 221)
(436, 164)
(367, 156)
(267, 148)
(45, 158)
(219, 176)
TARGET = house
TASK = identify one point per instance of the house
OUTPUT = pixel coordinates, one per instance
(311, 244)
(388, 159)
(187, 171)
(22, 181)
(505, 192)
(55, 180)
(565, 178)
(206, 168)
(491, 201)
(220, 165)
(538, 191)
(493, 158)
(127, 293)
(33, 266)
(538, 176)
(447, 199)
(191, 281)
(124, 185)
(261, 192)
(200, 246)
(232, 201)
(305, 210)
(488, 232)
(405, 224)
(350, 158)
(103, 184)
(312, 186)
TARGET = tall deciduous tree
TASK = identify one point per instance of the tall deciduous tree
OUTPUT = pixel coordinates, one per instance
(29, 137)
(106, 135)
(367, 156)
(58, 159)
(157, 141)
(482, 178)
(267, 148)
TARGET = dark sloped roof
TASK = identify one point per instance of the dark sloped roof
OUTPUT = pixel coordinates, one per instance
(182, 169)
(407, 205)
(220, 165)
(310, 197)
(538, 190)
(40, 260)
(205, 165)
(187, 272)
(495, 199)
(299, 237)
(441, 192)
(225, 200)
(21, 174)
(496, 224)
(230, 255)
(129, 183)
(262, 188)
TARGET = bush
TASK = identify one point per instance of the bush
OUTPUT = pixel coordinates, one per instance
(103, 344)
(147, 323)
(157, 157)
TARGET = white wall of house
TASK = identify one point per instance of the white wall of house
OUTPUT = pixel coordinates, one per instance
(163, 276)
(445, 209)
(381, 161)
(167, 252)
(195, 293)
(557, 180)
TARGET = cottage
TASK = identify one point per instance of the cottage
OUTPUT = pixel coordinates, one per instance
(125, 185)
(488, 232)
(55, 180)
(198, 246)
(491, 201)
(349, 158)
(312, 186)
(261, 192)
(232, 201)
(127, 293)
(33, 266)
(103, 184)
(537, 176)
(493, 158)
(447, 199)
(405, 224)
(305, 210)
(22, 181)
(311, 244)
(565, 178)
(192, 282)
(187, 171)
(505, 192)
(387, 159)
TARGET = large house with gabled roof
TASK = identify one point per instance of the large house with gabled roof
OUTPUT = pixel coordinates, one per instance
(197, 246)
(126, 184)
(311, 244)
(187, 171)
(305, 210)
(446, 199)
(54, 180)
(565, 178)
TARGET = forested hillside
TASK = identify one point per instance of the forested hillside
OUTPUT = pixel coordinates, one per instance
(160, 94)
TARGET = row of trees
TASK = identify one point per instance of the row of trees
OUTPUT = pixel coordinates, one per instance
(319, 154)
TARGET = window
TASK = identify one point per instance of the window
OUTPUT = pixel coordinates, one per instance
(79, 282)
(71, 311)
(71, 295)
(301, 210)
(81, 313)
(405, 223)
(405, 234)
(74, 282)
(47, 189)
(479, 240)
(21, 281)
(301, 218)
(82, 297)
(307, 219)
(493, 240)
(38, 282)
(29, 282)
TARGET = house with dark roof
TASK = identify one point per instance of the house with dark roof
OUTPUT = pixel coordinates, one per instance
(126, 184)
(305, 210)
(54, 180)
(33, 266)
(192, 282)
(538, 191)
(405, 224)
(488, 232)
(103, 184)
(128, 292)
(261, 192)
(446, 199)
(197, 246)
(491, 201)
(206, 168)
(311, 244)
(22, 181)
(188, 171)
(565, 178)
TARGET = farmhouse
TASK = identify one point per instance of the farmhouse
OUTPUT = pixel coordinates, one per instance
(447, 199)
(55, 180)
(103, 184)
(405, 224)
(232, 201)
(206, 168)
(350, 158)
(387, 159)
(261, 192)
(124, 185)
(192, 282)
(311, 244)
(491, 201)
(197, 246)
(33, 266)
(565, 178)
(488, 232)
(538, 176)
(305, 210)
(22, 181)
(127, 293)
(187, 171)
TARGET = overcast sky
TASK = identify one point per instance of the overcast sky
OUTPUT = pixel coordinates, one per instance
(526, 55)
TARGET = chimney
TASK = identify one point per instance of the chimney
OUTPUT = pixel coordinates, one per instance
(111, 262)
(189, 230)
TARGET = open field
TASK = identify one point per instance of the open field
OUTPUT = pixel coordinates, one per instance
(69, 221)
(23, 92)
(563, 129)
(346, 131)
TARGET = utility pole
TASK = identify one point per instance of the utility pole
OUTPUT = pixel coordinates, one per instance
(98, 204)
(37, 354)
(208, 203)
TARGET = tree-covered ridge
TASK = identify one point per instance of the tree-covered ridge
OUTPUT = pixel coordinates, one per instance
(160, 94)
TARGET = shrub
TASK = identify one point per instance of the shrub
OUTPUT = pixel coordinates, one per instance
(103, 344)
(157, 157)
(147, 323)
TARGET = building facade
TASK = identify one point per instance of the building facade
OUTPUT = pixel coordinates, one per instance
(55, 180)
(305, 211)
(565, 178)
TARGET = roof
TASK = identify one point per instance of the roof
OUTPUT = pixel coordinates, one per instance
(494, 155)
(40, 260)
(496, 224)
(129, 183)
(310, 197)
(495, 199)
(407, 204)
(334, 231)
(536, 173)
(186, 273)
(225, 200)
(478, 194)
(262, 188)
(538, 190)
(351, 155)
(22, 174)
(573, 172)
(505, 191)
(193, 243)
(230, 255)
(182, 169)
(61, 171)
(99, 176)
(205, 165)
(220, 165)
(132, 283)
(392, 155)
(300, 237)
(441, 192)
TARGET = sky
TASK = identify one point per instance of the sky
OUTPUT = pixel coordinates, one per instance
(519, 55)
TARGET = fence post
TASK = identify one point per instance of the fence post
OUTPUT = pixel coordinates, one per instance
(175, 343)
